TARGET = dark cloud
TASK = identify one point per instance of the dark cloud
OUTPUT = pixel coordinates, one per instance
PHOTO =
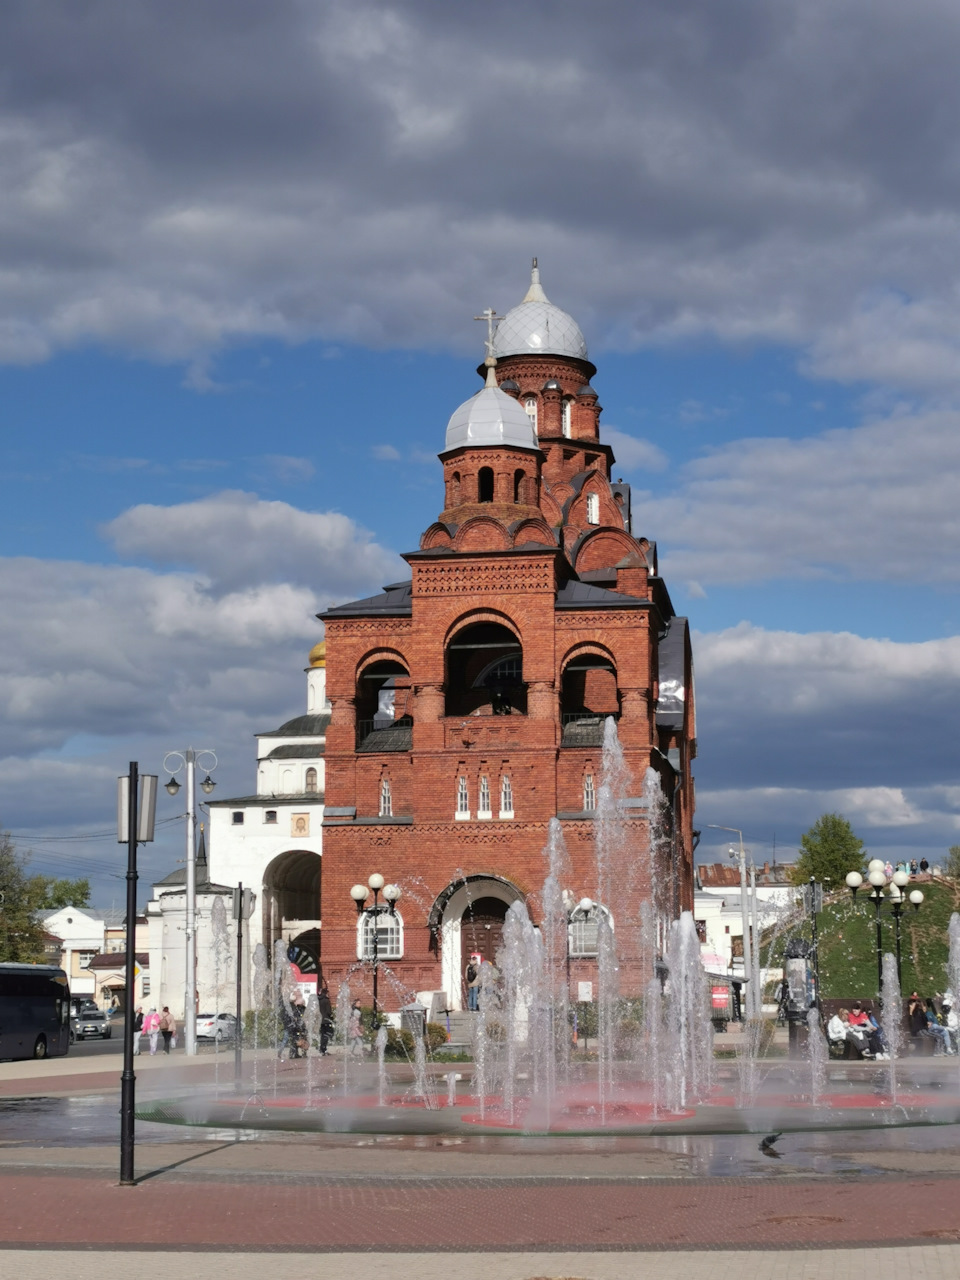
(175, 176)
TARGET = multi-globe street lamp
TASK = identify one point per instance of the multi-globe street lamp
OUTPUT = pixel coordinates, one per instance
(188, 761)
(877, 879)
(391, 896)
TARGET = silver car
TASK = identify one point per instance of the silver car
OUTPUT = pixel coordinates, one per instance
(216, 1026)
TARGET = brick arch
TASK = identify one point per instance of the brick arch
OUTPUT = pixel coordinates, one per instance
(438, 535)
(533, 531)
(482, 533)
(380, 655)
(480, 615)
(603, 547)
(583, 648)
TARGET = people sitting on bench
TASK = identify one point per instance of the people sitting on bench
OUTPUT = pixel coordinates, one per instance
(860, 1038)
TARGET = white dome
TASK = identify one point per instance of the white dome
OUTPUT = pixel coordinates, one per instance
(491, 417)
(536, 325)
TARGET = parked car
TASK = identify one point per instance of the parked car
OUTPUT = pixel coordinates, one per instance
(216, 1026)
(93, 1026)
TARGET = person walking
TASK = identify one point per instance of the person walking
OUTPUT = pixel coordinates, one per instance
(151, 1027)
(168, 1028)
(325, 1009)
(137, 1029)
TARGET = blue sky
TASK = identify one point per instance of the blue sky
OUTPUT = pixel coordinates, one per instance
(241, 251)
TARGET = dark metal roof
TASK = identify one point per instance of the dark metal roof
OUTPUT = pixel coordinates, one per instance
(296, 751)
(313, 725)
(397, 737)
(267, 802)
(583, 595)
(117, 959)
(395, 601)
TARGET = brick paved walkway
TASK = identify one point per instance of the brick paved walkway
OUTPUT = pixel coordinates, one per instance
(54, 1208)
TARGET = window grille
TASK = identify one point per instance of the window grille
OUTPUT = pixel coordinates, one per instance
(386, 799)
(463, 796)
(589, 794)
(583, 930)
(389, 931)
(506, 796)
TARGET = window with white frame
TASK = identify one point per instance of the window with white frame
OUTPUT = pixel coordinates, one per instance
(567, 418)
(84, 958)
(583, 930)
(270, 815)
(593, 508)
(483, 801)
(463, 798)
(589, 793)
(145, 984)
(388, 928)
(530, 404)
(386, 799)
(506, 797)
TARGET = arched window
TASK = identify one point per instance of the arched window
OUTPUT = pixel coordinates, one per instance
(518, 478)
(388, 928)
(483, 800)
(463, 799)
(530, 404)
(593, 508)
(506, 797)
(588, 694)
(589, 793)
(485, 484)
(567, 418)
(382, 689)
(286, 783)
(310, 781)
(584, 928)
(453, 493)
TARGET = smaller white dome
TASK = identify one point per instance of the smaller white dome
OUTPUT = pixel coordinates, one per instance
(536, 326)
(491, 417)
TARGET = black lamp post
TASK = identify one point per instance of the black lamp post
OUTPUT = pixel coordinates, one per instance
(391, 895)
(877, 878)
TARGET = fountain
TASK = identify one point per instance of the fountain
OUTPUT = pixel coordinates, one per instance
(654, 1069)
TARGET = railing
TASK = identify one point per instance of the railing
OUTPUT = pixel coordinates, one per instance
(583, 728)
(395, 736)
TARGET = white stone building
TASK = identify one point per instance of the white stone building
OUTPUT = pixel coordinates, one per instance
(270, 843)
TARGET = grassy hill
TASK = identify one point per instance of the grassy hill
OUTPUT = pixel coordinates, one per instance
(848, 948)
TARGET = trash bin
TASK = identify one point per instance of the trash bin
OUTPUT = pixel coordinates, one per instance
(413, 1018)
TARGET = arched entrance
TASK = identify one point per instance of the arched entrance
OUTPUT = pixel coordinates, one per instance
(291, 901)
(468, 917)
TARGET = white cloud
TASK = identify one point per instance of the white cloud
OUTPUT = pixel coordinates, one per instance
(633, 453)
(874, 502)
(237, 539)
(385, 453)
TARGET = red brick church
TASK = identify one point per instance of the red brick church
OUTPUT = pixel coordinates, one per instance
(468, 701)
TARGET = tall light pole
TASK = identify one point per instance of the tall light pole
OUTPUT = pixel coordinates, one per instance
(753, 1004)
(188, 760)
(391, 895)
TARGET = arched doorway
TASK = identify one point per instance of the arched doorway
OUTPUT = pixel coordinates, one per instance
(291, 901)
(468, 917)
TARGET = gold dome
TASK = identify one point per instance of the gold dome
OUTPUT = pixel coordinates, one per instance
(318, 654)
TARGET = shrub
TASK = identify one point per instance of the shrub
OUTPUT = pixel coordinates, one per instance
(399, 1044)
(261, 1032)
(436, 1036)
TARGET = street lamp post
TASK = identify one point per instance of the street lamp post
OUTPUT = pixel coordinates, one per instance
(753, 1003)
(877, 878)
(188, 760)
(391, 896)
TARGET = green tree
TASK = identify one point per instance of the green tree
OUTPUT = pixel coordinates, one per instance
(953, 861)
(829, 850)
(56, 893)
(21, 933)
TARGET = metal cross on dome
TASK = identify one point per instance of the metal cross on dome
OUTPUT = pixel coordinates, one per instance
(492, 320)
